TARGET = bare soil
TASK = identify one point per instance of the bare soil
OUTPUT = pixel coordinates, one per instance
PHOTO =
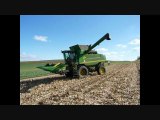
(119, 86)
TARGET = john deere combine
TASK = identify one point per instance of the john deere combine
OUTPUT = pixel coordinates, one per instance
(80, 60)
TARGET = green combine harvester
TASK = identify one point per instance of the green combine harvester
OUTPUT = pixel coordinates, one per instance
(80, 60)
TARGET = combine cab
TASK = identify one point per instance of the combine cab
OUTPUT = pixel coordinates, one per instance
(80, 60)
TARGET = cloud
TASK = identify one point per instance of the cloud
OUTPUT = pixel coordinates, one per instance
(123, 52)
(28, 57)
(135, 42)
(110, 55)
(136, 48)
(116, 55)
(107, 53)
(121, 45)
(102, 50)
(41, 38)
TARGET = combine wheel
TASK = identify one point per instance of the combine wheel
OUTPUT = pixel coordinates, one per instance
(101, 70)
(82, 72)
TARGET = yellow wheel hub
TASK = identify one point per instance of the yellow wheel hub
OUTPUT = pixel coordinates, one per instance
(102, 70)
(83, 72)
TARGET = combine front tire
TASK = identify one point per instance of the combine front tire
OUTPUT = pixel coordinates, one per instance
(82, 72)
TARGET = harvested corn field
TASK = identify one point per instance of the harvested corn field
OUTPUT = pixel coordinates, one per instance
(119, 86)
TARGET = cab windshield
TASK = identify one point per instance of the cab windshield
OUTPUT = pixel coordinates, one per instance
(69, 55)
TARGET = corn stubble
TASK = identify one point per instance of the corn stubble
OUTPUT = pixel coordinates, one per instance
(120, 86)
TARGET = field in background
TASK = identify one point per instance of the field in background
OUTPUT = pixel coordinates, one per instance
(30, 70)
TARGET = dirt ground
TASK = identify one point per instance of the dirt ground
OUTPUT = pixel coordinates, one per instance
(119, 86)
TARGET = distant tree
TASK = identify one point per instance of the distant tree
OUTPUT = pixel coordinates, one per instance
(138, 58)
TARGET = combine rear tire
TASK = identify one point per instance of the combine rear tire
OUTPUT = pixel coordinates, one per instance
(101, 70)
(82, 72)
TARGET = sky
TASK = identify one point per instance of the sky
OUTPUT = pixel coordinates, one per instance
(42, 37)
